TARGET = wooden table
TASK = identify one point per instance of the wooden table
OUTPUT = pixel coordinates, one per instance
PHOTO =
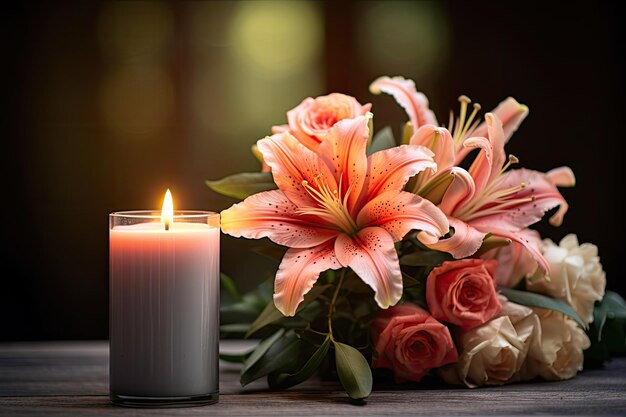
(71, 379)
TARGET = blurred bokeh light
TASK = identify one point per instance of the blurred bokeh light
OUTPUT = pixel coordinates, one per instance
(402, 37)
(113, 102)
(139, 32)
(266, 58)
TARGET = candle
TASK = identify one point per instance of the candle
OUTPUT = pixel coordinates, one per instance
(164, 307)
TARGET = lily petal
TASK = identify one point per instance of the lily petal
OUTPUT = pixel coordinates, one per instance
(400, 212)
(271, 214)
(530, 244)
(414, 103)
(562, 177)
(437, 139)
(298, 271)
(460, 191)
(465, 241)
(291, 163)
(511, 114)
(491, 156)
(372, 256)
(515, 261)
(525, 207)
(391, 168)
(344, 151)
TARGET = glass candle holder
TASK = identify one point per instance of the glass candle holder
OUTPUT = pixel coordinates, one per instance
(164, 308)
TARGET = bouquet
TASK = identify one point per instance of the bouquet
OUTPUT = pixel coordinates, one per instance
(411, 258)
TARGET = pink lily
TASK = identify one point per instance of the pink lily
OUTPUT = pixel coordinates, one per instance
(514, 261)
(510, 112)
(337, 208)
(412, 101)
(489, 200)
(485, 199)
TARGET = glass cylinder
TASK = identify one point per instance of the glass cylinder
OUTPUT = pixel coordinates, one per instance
(164, 308)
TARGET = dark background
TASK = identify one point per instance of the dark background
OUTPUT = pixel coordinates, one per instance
(105, 105)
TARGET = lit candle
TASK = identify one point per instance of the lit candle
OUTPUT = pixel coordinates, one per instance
(164, 307)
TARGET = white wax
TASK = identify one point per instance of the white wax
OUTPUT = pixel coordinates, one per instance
(164, 317)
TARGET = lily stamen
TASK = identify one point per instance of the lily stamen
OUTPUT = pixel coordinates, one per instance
(468, 124)
(333, 207)
(500, 197)
(464, 124)
(512, 160)
(502, 208)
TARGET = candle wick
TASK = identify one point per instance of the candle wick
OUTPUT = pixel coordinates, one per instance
(167, 225)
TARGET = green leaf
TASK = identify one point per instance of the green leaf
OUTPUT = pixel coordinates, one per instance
(415, 290)
(257, 297)
(310, 312)
(435, 189)
(234, 328)
(353, 283)
(609, 319)
(532, 299)
(425, 258)
(286, 380)
(492, 242)
(261, 349)
(280, 353)
(613, 336)
(383, 139)
(243, 184)
(270, 313)
(608, 330)
(353, 370)
(408, 280)
(234, 357)
(230, 286)
(611, 307)
(265, 291)
(407, 132)
(329, 275)
(238, 313)
(250, 306)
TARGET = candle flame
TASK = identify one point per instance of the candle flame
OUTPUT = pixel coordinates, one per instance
(167, 212)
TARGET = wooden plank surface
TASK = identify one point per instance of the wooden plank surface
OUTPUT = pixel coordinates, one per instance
(71, 379)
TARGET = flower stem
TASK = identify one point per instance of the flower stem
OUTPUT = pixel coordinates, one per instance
(332, 305)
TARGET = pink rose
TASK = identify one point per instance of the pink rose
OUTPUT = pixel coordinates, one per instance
(463, 292)
(411, 342)
(310, 121)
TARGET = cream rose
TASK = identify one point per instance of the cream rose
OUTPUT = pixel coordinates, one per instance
(310, 121)
(576, 275)
(562, 346)
(494, 353)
